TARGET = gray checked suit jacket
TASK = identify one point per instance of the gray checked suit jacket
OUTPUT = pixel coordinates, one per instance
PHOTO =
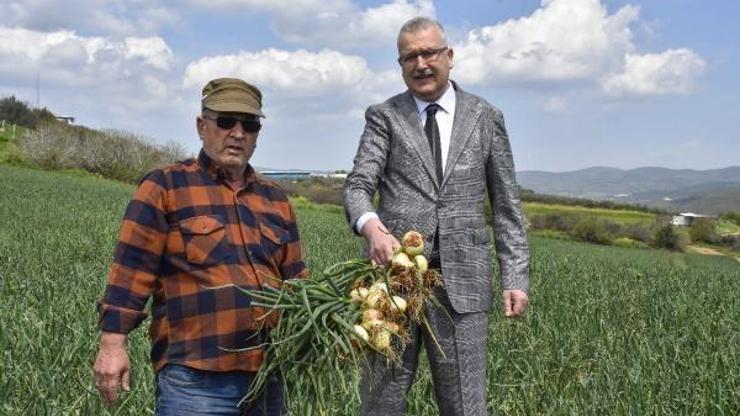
(394, 159)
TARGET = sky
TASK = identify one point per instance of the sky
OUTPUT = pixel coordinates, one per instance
(581, 83)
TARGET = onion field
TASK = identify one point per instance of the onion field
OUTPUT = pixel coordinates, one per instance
(610, 330)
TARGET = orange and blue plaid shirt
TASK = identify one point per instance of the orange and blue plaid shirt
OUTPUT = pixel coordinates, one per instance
(186, 236)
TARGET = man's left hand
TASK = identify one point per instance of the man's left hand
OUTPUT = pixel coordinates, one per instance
(515, 302)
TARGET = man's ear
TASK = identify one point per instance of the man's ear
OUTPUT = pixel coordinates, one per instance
(200, 126)
(450, 55)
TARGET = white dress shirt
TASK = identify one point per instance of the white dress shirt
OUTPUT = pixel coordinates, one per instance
(445, 116)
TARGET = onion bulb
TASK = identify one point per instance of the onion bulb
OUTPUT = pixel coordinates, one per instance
(379, 286)
(372, 315)
(421, 263)
(361, 332)
(373, 297)
(401, 261)
(382, 340)
(358, 295)
(372, 323)
(398, 304)
(392, 327)
(413, 243)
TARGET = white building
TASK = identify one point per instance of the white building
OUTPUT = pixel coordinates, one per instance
(686, 218)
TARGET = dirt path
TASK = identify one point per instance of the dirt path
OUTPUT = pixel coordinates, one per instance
(705, 250)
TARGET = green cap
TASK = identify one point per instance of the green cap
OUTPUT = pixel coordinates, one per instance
(231, 95)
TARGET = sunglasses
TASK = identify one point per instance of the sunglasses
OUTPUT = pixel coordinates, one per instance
(249, 125)
(426, 55)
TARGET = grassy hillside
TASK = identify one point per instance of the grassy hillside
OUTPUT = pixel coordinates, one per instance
(711, 202)
(703, 191)
(607, 182)
(618, 216)
(610, 330)
(6, 140)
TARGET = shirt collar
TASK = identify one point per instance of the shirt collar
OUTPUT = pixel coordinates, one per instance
(446, 101)
(217, 173)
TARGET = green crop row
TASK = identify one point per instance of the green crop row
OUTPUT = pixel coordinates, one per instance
(611, 330)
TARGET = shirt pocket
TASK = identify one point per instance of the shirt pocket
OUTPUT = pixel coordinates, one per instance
(204, 239)
(273, 237)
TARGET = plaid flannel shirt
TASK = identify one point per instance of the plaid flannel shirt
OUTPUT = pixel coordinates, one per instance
(185, 235)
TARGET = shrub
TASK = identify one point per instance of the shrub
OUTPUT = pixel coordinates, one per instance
(703, 229)
(315, 190)
(732, 216)
(18, 112)
(667, 237)
(593, 230)
(731, 240)
(552, 222)
(638, 232)
(112, 154)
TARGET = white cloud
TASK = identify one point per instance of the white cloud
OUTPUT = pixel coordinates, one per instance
(77, 73)
(277, 6)
(377, 86)
(573, 41)
(563, 40)
(336, 23)
(292, 73)
(107, 17)
(670, 72)
(69, 59)
(153, 51)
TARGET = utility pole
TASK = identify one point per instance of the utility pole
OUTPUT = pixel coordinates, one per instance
(38, 89)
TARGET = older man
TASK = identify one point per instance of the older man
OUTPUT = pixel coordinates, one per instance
(191, 230)
(433, 153)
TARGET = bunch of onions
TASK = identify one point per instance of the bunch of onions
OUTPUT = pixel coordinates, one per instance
(332, 321)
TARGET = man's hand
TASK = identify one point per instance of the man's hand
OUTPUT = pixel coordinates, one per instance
(112, 367)
(380, 242)
(515, 302)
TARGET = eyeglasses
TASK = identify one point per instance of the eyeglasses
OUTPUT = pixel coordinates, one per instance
(427, 55)
(249, 125)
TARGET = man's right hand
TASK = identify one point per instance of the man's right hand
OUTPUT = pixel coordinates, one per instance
(112, 367)
(381, 243)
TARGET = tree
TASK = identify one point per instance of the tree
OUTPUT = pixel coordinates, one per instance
(666, 236)
(18, 112)
(702, 229)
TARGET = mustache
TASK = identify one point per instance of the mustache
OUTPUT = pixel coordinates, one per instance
(427, 72)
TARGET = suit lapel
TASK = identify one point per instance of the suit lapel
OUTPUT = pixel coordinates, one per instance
(409, 120)
(467, 113)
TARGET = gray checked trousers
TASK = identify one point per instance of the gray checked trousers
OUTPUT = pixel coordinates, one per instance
(459, 377)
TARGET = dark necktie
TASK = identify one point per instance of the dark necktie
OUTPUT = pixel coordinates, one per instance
(432, 131)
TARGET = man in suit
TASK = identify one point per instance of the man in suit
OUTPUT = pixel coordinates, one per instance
(433, 153)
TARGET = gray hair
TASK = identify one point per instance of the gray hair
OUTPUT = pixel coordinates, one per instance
(420, 23)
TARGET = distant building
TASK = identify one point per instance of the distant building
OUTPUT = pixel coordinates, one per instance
(286, 174)
(299, 175)
(686, 218)
(66, 119)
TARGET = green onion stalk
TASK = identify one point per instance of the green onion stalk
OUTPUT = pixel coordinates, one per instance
(330, 323)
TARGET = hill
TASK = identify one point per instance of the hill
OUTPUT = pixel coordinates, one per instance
(704, 191)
